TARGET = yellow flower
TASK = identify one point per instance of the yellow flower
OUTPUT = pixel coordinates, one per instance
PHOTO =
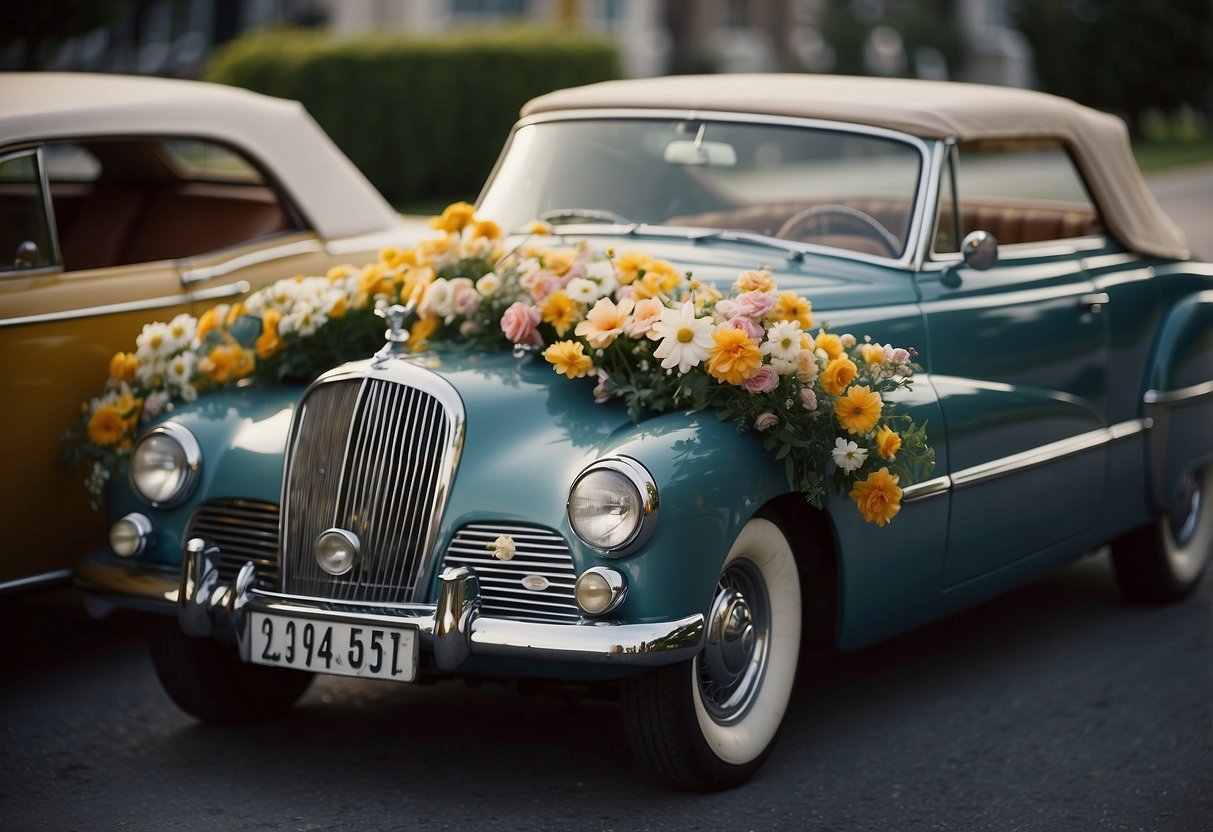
(374, 280)
(234, 313)
(839, 373)
(557, 262)
(872, 353)
(569, 357)
(539, 227)
(123, 366)
(792, 307)
(208, 321)
(878, 497)
(859, 410)
(339, 273)
(226, 363)
(831, 343)
(454, 217)
(561, 311)
(487, 229)
(755, 281)
(106, 426)
(268, 343)
(734, 357)
(628, 266)
(888, 443)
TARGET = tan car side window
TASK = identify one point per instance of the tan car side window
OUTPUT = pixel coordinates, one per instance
(26, 242)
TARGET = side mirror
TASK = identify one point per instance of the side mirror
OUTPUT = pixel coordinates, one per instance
(978, 251)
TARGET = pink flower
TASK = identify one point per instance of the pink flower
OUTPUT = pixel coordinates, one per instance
(520, 323)
(763, 381)
(600, 392)
(466, 300)
(765, 420)
(899, 356)
(647, 313)
(754, 304)
(808, 399)
(747, 326)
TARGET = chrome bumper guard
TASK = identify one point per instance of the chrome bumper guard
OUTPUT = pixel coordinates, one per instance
(453, 630)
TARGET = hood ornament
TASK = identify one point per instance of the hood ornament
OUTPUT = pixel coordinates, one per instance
(396, 335)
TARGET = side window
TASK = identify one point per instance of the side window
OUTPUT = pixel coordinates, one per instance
(25, 230)
(139, 200)
(1019, 191)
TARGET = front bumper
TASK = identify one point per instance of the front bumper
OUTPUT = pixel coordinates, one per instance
(453, 630)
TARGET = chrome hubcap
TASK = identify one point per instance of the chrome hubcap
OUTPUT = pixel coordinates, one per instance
(730, 669)
(1186, 509)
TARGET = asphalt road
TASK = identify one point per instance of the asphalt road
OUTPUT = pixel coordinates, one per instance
(1058, 707)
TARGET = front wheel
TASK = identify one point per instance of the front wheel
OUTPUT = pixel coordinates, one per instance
(709, 723)
(1164, 562)
(207, 679)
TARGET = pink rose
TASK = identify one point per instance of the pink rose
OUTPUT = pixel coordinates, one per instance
(647, 313)
(763, 381)
(808, 399)
(520, 323)
(899, 356)
(754, 304)
(747, 326)
(466, 300)
(765, 420)
(727, 309)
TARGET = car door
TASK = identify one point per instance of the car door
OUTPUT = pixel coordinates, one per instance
(1018, 356)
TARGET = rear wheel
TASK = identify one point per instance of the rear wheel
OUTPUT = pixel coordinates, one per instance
(1165, 561)
(207, 679)
(709, 723)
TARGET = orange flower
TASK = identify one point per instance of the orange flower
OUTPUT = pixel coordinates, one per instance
(872, 353)
(123, 366)
(374, 280)
(558, 262)
(755, 281)
(792, 307)
(629, 265)
(859, 410)
(106, 426)
(735, 357)
(878, 497)
(234, 312)
(831, 343)
(569, 357)
(487, 229)
(268, 343)
(208, 321)
(227, 363)
(420, 331)
(837, 375)
(888, 443)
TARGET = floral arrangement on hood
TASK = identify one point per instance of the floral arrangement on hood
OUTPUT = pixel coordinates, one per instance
(640, 329)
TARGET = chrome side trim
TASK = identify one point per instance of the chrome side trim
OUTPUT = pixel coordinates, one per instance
(45, 579)
(1195, 391)
(927, 488)
(253, 258)
(1032, 458)
(229, 290)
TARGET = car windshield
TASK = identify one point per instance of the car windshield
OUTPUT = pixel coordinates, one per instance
(828, 187)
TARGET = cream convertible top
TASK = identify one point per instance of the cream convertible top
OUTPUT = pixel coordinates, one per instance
(927, 109)
(333, 194)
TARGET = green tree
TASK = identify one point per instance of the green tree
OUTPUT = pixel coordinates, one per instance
(1126, 56)
(37, 24)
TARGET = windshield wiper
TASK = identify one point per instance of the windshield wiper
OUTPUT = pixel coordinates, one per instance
(794, 251)
(559, 216)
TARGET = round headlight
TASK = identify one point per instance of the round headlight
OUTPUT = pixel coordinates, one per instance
(613, 506)
(129, 536)
(337, 551)
(599, 590)
(164, 465)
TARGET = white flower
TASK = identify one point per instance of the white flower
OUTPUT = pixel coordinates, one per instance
(685, 339)
(848, 340)
(439, 299)
(488, 284)
(181, 330)
(189, 393)
(503, 547)
(153, 342)
(602, 273)
(180, 370)
(582, 290)
(783, 346)
(847, 455)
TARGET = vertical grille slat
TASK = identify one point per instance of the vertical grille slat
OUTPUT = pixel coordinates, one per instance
(376, 471)
(243, 531)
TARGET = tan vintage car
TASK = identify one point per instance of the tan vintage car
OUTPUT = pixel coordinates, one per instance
(125, 200)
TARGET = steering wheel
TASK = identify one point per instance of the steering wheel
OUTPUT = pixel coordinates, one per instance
(821, 220)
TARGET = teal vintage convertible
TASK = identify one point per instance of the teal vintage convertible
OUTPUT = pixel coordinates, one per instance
(417, 514)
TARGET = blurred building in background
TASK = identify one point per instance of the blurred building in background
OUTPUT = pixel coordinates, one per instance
(962, 39)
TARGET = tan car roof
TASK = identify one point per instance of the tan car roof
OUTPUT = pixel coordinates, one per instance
(332, 193)
(927, 109)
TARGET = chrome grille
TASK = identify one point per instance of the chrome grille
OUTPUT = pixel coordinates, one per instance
(243, 531)
(540, 552)
(369, 456)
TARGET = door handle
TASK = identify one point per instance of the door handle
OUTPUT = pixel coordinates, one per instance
(1094, 302)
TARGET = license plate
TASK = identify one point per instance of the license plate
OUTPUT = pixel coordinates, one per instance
(367, 650)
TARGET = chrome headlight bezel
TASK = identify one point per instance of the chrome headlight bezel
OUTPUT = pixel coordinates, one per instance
(188, 461)
(635, 476)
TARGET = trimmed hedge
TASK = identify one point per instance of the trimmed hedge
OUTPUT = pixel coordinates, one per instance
(423, 118)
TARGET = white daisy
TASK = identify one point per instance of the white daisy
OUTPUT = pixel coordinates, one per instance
(685, 339)
(582, 290)
(847, 455)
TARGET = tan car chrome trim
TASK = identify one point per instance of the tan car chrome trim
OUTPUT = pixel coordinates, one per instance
(253, 258)
(240, 287)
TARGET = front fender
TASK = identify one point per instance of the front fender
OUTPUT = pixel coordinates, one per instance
(1179, 395)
